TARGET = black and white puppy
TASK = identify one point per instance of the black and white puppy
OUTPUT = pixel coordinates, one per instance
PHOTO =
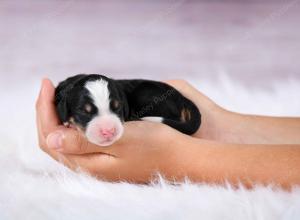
(98, 106)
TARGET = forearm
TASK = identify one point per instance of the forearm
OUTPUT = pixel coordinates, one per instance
(253, 129)
(221, 125)
(213, 162)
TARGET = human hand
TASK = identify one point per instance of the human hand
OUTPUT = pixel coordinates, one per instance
(144, 149)
(216, 122)
(147, 148)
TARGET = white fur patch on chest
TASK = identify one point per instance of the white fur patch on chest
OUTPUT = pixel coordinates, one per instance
(100, 94)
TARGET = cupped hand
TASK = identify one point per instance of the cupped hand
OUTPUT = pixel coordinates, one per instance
(144, 149)
(147, 148)
(215, 120)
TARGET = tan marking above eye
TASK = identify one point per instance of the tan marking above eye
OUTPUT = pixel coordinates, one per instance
(115, 103)
(88, 108)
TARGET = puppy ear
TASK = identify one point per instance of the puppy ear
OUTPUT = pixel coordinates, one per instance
(62, 93)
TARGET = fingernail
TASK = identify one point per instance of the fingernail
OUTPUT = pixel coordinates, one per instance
(54, 140)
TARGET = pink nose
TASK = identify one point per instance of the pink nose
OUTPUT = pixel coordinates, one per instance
(108, 133)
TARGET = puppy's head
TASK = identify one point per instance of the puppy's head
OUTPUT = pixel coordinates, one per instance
(93, 104)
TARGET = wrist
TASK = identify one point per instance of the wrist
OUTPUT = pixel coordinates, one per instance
(215, 122)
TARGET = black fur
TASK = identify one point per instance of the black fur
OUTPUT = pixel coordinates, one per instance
(136, 99)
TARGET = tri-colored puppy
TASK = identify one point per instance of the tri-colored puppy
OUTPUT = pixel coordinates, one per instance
(98, 106)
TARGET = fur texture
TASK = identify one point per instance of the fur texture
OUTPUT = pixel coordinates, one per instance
(98, 106)
(33, 186)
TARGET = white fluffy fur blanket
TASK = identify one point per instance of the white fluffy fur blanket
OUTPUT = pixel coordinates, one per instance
(33, 186)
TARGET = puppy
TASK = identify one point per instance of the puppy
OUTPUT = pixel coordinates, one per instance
(98, 106)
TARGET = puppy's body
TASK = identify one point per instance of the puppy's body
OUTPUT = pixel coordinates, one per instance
(99, 105)
(156, 101)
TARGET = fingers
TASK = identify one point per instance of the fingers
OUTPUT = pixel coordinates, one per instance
(46, 118)
(100, 165)
(71, 148)
(46, 112)
(190, 92)
(183, 86)
(178, 83)
(71, 141)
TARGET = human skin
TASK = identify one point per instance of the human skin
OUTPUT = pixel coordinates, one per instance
(225, 126)
(229, 147)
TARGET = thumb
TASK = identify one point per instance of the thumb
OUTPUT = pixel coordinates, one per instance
(70, 141)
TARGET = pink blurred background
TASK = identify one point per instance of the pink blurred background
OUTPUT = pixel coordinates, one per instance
(252, 42)
(244, 55)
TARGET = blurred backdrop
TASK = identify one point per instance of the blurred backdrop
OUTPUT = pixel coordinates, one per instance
(252, 42)
(242, 54)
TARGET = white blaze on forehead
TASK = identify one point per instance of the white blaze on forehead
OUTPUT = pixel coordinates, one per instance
(106, 119)
(100, 94)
